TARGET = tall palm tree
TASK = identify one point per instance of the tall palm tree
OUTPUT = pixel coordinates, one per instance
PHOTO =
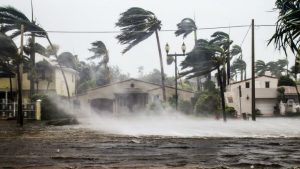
(11, 59)
(222, 39)
(239, 65)
(287, 33)
(260, 67)
(138, 24)
(100, 52)
(11, 20)
(44, 71)
(184, 28)
(203, 59)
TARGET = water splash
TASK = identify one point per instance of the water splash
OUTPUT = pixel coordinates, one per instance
(180, 125)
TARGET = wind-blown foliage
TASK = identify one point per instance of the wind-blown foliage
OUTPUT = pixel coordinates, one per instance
(185, 27)
(276, 68)
(100, 52)
(287, 34)
(12, 19)
(136, 25)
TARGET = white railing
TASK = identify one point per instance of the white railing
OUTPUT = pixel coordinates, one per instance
(10, 110)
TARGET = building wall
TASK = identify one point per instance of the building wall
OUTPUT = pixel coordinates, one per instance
(109, 90)
(60, 83)
(266, 98)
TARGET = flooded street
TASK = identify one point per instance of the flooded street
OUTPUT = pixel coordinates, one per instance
(39, 146)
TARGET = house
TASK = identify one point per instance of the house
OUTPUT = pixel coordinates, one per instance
(289, 102)
(130, 95)
(238, 95)
(55, 84)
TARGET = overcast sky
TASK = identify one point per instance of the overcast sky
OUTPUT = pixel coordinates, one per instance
(101, 15)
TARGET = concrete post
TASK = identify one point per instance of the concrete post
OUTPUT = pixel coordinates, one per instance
(38, 110)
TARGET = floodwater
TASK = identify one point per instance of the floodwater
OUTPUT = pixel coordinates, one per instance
(89, 146)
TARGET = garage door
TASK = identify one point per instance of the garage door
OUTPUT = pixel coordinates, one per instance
(266, 106)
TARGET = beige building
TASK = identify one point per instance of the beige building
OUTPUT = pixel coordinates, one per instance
(265, 95)
(55, 84)
(128, 95)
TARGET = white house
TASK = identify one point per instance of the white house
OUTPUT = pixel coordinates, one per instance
(128, 95)
(238, 95)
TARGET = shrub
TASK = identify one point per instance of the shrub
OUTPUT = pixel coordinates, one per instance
(50, 111)
(185, 106)
(230, 111)
(286, 81)
(207, 103)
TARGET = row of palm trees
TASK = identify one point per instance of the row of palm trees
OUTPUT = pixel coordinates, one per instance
(276, 68)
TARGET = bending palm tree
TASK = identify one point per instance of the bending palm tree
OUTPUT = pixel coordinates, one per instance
(100, 52)
(239, 65)
(137, 25)
(11, 20)
(222, 40)
(260, 67)
(10, 59)
(203, 59)
(287, 34)
(184, 28)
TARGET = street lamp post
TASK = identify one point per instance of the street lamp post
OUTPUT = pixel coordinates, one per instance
(170, 58)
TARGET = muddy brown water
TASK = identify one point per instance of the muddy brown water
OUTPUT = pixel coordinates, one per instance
(40, 146)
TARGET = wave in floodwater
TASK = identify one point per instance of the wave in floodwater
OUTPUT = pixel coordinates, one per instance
(180, 125)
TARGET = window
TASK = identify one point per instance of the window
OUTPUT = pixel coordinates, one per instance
(230, 99)
(267, 84)
(247, 85)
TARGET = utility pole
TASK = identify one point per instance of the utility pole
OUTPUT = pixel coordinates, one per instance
(253, 73)
(20, 74)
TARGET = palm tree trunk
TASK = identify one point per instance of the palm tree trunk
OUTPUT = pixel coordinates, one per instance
(10, 88)
(48, 85)
(245, 73)
(60, 67)
(197, 78)
(20, 108)
(222, 93)
(32, 60)
(161, 68)
(298, 94)
(242, 74)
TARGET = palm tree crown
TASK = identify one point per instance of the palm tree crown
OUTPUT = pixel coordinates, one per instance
(136, 25)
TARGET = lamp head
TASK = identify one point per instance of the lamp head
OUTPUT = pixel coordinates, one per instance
(183, 47)
(167, 48)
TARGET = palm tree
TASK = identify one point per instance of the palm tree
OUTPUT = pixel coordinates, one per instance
(287, 34)
(100, 52)
(239, 65)
(184, 28)
(222, 39)
(137, 25)
(11, 60)
(44, 71)
(260, 67)
(11, 20)
(203, 59)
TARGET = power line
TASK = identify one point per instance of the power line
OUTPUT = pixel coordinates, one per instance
(164, 30)
(245, 36)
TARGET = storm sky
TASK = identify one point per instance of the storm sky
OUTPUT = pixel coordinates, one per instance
(101, 15)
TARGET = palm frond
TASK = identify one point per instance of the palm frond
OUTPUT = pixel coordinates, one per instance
(136, 25)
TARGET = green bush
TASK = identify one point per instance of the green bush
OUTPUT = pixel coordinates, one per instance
(230, 111)
(49, 110)
(185, 106)
(207, 103)
(286, 81)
